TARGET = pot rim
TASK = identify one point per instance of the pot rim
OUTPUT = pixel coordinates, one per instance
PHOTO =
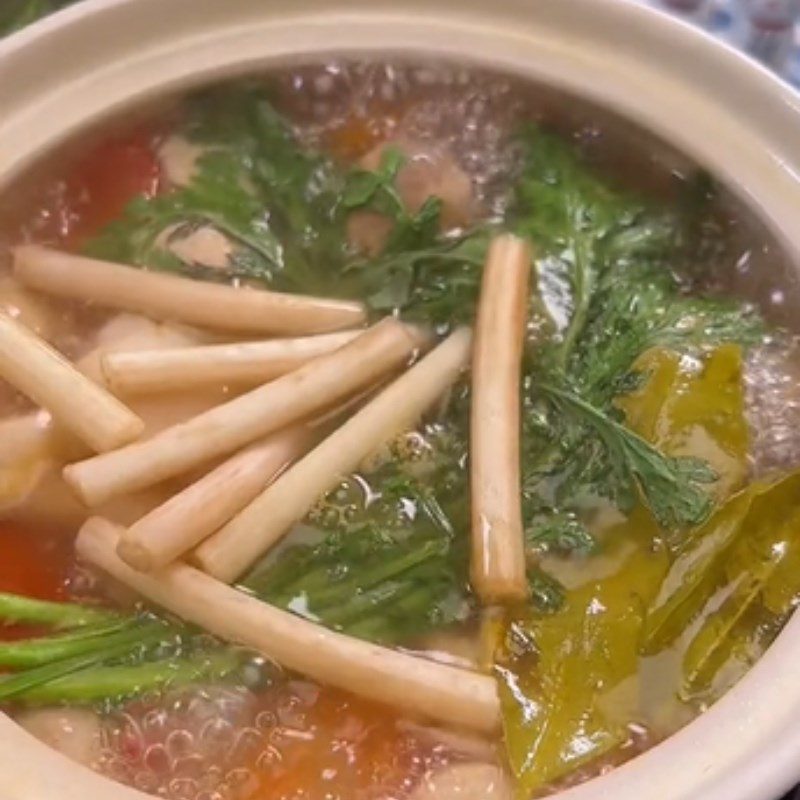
(711, 102)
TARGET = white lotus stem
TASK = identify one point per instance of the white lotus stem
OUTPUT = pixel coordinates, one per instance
(164, 296)
(83, 407)
(239, 363)
(498, 543)
(437, 691)
(232, 425)
(228, 553)
(175, 527)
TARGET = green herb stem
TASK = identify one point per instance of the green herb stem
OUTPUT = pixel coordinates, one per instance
(28, 653)
(16, 608)
(116, 682)
(341, 592)
(365, 604)
(119, 645)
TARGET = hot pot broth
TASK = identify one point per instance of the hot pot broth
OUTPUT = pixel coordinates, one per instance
(636, 568)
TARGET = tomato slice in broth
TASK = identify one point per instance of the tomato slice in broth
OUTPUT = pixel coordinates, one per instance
(106, 179)
(32, 563)
(68, 205)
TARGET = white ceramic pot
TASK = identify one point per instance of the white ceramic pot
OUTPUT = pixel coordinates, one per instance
(718, 107)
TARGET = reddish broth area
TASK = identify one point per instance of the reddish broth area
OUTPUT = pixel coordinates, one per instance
(103, 183)
(345, 746)
(357, 135)
(295, 741)
(94, 190)
(66, 211)
(32, 563)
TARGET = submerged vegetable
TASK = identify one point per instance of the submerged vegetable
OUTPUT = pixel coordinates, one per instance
(556, 673)
(93, 655)
(379, 586)
(17, 608)
(731, 587)
(118, 682)
(694, 406)
(394, 562)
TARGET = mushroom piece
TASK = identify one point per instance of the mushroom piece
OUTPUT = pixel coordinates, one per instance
(75, 733)
(179, 157)
(368, 232)
(35, 313)
(474, 781)
(204, 245)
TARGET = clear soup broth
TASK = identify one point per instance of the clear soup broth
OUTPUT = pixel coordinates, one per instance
(644, 553)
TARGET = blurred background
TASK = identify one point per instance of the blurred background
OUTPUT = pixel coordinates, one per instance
(767, 29)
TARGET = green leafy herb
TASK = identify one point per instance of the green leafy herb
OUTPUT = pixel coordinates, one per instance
(393, 562)
(605, 278)
(132, 640)
(394, 586)
(41, 650)
(559, 533)
(376, 190)
(426, 275)
(668, 485)
(420, 272)
(583, 229)
(279, 205)
(103, 656)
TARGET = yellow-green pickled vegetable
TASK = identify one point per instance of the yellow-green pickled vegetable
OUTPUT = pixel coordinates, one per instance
(695, 574)
(554, 672)
(557, 672)
(694, 408)
(759, 585)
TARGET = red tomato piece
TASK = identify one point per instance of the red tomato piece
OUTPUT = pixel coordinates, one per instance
(66, 209)
(32, 563)
(106, 179)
